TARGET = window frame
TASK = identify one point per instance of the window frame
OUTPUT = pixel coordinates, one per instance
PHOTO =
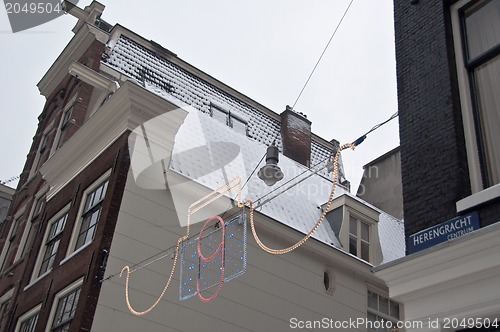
(36, 275)
(377, 312)
(82, 213)
(76, 286)
(56, 145)
(37, 208)
(4, 304)
(366, 214)
(43, 148)
(52, 241)
(230, 117)
(468, 101)
(28, 316)
(66, 118)
(9, 240)
(360, 222)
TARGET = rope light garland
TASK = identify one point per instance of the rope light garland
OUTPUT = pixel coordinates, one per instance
(249, 203)
(234, 184)
(231, 185)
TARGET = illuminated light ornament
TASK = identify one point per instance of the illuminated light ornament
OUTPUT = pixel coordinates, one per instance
(209, 274)
(231, 185)
(219, 250)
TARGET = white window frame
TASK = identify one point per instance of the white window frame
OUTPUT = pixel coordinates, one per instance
(39, 197)
(479, 193)
(68, 106)
(360, 220)
(5, 298)
(45, 136)
(28, 315)
(58, 297)
(35, 277)
(363, 213)
(380, 314)
(6, 247)
(78, 224)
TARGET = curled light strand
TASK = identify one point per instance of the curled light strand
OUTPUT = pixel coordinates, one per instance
(127, 297)
(220, 249)
(193, 208)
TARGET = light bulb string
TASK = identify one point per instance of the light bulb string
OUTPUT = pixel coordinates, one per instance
(320, 220)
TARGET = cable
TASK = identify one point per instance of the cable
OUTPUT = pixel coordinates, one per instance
(167, 252)
(363, 137)
(321, 56)
(355, 143)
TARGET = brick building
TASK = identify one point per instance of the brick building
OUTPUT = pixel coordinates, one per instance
(447, 55)
(130, 136)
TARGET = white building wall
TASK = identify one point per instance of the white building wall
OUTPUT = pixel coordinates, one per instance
(272, 291)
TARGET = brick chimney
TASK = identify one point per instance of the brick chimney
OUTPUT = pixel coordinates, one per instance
(296, 136)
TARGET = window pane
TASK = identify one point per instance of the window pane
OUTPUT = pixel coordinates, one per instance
(383, 305)
(482, 27)
(365, 251)
(353, 246)
(29, 324)
(65, 311)
(395, 310)
(371, 319)
(239, 126)
(372, 300)
(219, 115)
(487, 82)
(365, 232)
(353, 226)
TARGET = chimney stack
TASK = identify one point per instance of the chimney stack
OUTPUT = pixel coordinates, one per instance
(296, 136)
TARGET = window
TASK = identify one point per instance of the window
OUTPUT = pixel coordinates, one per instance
(231, 119)
(381, 308)
(359, 238)
(90, 214)
(27, 236)
(4, 305)
(52, 240)
(356, 226)
(328, 281)
(64, 125)
(43, 152)
(27, 322)
(64, 308)
(10, 247)
(477, 46)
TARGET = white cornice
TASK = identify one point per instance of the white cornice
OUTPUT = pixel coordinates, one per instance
(72, 52)
(459, 262)
(92, 77)
(129, 107)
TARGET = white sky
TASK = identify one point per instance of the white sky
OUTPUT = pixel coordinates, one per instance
(265, 49)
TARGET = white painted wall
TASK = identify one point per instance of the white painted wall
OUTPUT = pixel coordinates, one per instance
(273, 290)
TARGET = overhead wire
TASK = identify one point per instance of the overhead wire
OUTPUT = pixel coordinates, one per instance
(169, 251)
(323, 53)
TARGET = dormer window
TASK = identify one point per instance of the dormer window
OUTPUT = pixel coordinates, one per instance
(230, 118)
(356, 226)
